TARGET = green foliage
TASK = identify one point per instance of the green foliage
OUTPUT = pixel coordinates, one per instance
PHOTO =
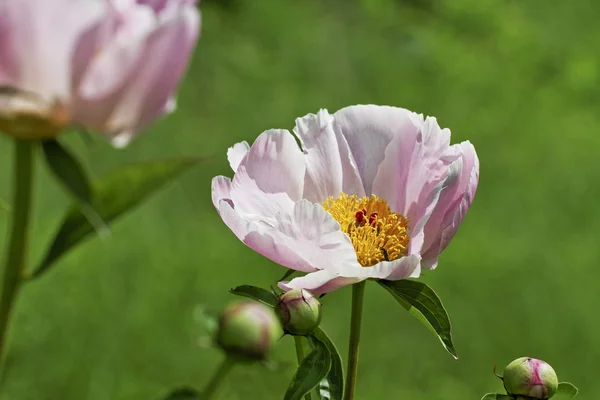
(311, 371)
(256, 293)
(332, 386)
(425, 305)
(114, 194)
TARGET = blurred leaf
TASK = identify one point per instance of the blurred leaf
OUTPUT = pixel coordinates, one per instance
(311, 371)
(497, 396)
(114, 194)
(332, 387)
(256, 293)
(184, 394)
(424, 304)
(69, 171)
(567, 389)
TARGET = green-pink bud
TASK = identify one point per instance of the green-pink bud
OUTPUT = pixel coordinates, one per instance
(248, 330)
(299, 311)
(527, 376)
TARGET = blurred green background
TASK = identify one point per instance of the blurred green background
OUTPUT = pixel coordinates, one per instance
(117, 319)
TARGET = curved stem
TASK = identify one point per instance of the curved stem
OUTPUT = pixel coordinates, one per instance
(300, 354)
(19, 227)
(217, 378)
(358, 294)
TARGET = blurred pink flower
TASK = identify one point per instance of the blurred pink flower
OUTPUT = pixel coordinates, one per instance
(374, 193)
(107, 65)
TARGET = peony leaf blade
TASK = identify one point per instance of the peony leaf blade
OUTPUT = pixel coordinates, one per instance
(68, 170)
(253, 292)
(496, 396)
(114, 194)
(425, 305)
(311, 371)
(332, 386)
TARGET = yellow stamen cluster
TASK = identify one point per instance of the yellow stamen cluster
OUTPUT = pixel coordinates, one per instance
(377, 233)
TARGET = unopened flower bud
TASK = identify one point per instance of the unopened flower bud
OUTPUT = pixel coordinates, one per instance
(299, 311)
(527, 376)
(247, 331)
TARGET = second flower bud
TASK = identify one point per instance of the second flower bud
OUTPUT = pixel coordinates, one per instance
(299, 311)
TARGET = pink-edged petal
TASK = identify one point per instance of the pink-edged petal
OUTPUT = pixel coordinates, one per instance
(320, 282)
(314, 235)
(270, 178)
(422, 209)
(402, 268)
(236, 153)
(35, 54)
(369, 129)
(127, 86)
(330, 168)
(412, 167)
(307, 240)
(259, 238)
(452, 206)
(220, 190)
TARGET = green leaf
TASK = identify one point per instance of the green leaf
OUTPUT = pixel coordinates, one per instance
(332, 387)
(310, 372)
(287, 274)
(69, 171)
(184, 394)
(567, 389)
(424, 304)
(496, 396)
(114, 194)
(256, 293)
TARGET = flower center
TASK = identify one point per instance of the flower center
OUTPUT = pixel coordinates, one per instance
(377, 233)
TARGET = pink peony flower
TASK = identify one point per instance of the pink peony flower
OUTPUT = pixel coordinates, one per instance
(107, 65)
(373, 193)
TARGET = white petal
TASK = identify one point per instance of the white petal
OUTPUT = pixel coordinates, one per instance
(412, 166)
(236, 153)
(330, 168)
(369, 130)
(319, 282)
(402, 268)
(270, 178)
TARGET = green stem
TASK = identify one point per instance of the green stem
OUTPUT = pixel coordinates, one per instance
(17, 245)
(358, 294)
(300, 354)
(217, 378)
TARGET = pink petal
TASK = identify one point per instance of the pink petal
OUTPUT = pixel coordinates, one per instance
(128, 86)
(330, 168)
(35, 55)
(411, 168)
(452, 206)
(402, 268)
(236, 153)
(270, 178)
(307, 240)
(319, 282)
(369, 129)
(221, 190)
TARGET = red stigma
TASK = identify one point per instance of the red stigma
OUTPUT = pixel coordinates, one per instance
(360, 217)
(373, 219)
